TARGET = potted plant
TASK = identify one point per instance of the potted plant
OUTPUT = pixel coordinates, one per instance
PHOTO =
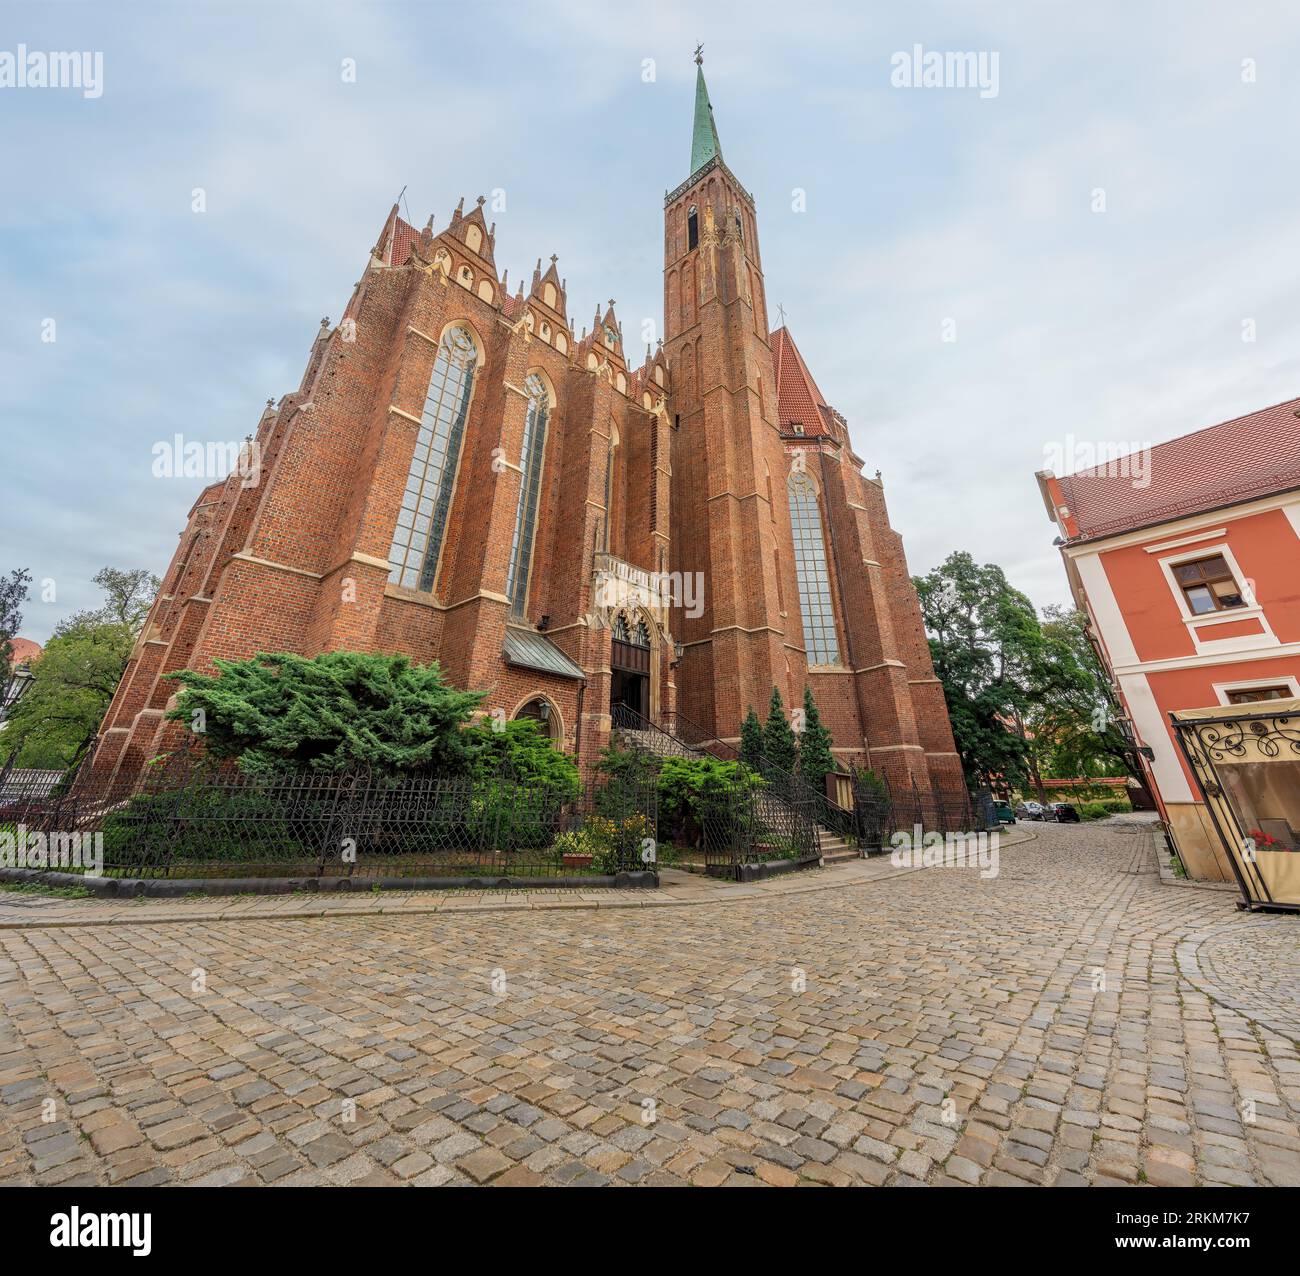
(574, 850)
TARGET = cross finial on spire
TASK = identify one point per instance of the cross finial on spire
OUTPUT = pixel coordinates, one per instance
(780, 310)
(704, 135)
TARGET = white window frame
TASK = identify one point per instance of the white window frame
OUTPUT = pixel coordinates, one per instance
(1195, 624)
(1222, 689)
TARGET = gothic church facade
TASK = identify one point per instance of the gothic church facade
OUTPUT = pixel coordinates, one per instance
(461, 477)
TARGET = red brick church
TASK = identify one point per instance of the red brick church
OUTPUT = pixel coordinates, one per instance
(462, 477)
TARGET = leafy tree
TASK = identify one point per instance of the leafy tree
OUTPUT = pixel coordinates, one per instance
(985, 641)
(815, 757)
(128, 595)
(57, 719)
(779, 747)
(1074, 729)
(54, 723)
(1026, 697)
(13, 594)
(751, 740)
(282, 712)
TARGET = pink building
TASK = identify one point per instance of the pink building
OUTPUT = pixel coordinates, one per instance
(1189, 567)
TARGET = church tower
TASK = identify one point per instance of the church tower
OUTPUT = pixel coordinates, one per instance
(728, 458)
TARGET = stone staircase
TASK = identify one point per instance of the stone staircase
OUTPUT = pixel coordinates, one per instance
(832, 848)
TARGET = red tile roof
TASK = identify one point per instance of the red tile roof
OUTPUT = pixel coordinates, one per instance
(24, 650)
(1239, 460)
(799, 401)
(404, 235)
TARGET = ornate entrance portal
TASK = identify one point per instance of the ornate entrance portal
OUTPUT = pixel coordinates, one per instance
(629, 663)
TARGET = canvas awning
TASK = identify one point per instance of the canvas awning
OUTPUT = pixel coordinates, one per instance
(1230, 712)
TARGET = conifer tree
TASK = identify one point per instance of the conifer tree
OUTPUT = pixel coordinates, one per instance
(779, 746)
(815, 757)
(751, 740)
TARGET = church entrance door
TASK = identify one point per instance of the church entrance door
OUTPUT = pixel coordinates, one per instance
(629, 662)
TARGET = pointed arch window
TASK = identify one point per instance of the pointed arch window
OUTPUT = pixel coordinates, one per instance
(609, 489)
(422, 521)
(692, 229)
(530, 483)
(820, 640)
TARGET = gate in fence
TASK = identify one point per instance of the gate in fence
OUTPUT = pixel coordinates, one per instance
(881, 810)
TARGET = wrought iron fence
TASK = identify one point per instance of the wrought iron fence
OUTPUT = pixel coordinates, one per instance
(190, 818)
(748, 818)
(881, 810)
(789, 787)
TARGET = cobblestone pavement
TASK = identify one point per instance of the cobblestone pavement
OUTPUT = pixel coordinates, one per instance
(1070, 1021)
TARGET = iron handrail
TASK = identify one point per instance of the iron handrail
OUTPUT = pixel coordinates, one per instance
(784, 785)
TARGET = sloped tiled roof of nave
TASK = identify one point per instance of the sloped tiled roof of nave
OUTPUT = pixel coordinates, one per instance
(404, 237)
(799, 401)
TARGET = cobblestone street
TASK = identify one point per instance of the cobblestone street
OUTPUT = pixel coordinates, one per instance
(1072, 1021)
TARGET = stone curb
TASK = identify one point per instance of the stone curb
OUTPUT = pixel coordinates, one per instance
(606, 899)
(174, 887)
(1167, 875)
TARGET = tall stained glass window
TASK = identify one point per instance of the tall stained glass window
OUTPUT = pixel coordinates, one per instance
(422, 522)
(820, 639)
(530, 462)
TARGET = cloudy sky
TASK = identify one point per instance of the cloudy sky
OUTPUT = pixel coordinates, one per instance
(929, 212)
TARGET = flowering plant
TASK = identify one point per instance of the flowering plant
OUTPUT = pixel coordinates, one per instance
(1267, 842)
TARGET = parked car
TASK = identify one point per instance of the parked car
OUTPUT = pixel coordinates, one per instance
(1004, 812)
(1063, 813)
(1032, 811)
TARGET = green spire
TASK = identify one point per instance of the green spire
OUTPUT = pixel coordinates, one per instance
(704, 137)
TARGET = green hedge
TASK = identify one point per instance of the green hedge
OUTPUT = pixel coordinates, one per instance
(1099, 810)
